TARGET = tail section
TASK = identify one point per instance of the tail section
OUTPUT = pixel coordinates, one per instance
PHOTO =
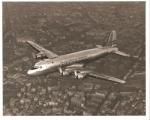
(111, 41)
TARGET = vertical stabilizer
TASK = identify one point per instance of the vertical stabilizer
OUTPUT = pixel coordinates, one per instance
(111, 41)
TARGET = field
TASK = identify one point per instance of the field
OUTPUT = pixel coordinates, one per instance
(64, 28)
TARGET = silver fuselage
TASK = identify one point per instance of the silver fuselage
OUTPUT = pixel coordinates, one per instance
(50, 65)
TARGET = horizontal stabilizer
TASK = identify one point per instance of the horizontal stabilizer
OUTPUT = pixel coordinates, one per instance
(126, 55)
(122, 54)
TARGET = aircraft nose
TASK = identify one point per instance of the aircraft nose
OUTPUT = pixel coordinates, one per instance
(30, 72)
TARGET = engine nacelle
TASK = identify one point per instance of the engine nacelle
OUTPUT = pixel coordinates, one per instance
(65, 73)
(80, 76)
(40, 56)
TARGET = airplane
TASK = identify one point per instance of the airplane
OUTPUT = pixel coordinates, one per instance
(74, 63)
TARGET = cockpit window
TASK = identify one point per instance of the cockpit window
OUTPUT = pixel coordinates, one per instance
(40, 66)
(33, 68)
(36, 67)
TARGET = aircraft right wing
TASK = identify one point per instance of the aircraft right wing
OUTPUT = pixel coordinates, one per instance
(41, 50)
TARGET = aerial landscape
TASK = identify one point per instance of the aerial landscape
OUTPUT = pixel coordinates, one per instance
(66, 27)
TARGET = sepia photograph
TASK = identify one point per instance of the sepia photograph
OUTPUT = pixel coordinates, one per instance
(74, 58)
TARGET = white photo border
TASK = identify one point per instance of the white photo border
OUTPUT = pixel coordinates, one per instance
(147, 44)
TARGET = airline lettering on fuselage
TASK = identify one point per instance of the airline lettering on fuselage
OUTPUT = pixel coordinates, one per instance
(78, 59)
(72, 61)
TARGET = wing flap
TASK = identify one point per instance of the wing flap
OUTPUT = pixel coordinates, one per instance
(42, 50)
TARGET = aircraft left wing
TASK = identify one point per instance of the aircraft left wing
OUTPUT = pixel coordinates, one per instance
(81, 73)
(106, 77)
(42, 50)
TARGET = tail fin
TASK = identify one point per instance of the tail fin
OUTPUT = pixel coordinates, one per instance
(111, 41)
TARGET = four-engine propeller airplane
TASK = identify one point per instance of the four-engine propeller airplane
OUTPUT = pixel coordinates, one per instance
(74, 62)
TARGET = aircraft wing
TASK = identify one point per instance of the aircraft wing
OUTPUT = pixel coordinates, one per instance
(42, 50)
(80, 72)
(106, 77)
